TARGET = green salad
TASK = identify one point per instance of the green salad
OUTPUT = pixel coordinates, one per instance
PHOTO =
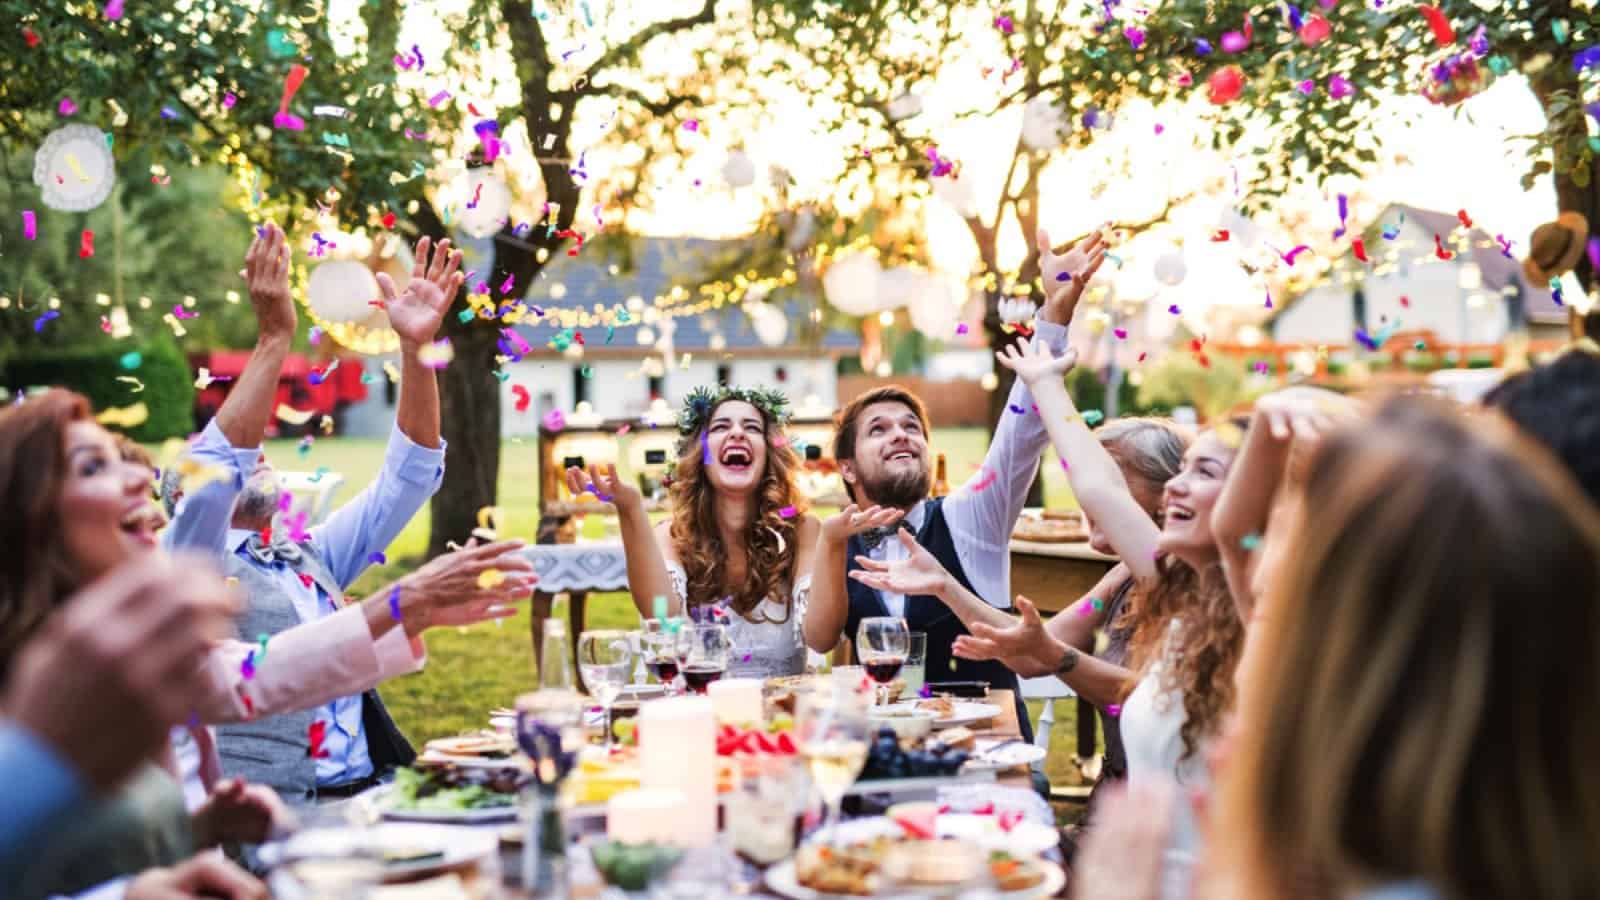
(446, 788)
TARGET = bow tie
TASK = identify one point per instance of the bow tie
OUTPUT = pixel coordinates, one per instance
(872, 537)
(281, 549)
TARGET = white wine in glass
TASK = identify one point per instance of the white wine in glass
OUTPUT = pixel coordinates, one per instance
(832, 731)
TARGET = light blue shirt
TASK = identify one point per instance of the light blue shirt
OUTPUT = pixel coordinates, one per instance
(344, 543)
(39, 791)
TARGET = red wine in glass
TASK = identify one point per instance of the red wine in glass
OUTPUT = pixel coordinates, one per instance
(885, 668)
(664, 668)
(699, 677)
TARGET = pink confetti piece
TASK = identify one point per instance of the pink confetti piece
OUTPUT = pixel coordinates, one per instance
(1121, 333)
(248, 667)
(961, 328)
(554, 420)
(1340, 87)
(624, 430)
(508, 285)
(1114, 710)
(114, 10)
(178, 312)
(788, 512)
(291, 84)
(229, 99)
(296, 525)
(983, 484)
(30, 225)
(438, 98)
(691, 125)
(66, 107)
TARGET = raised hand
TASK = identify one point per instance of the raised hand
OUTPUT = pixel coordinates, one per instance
(459, 589)
(1034, 365)
(415, 314)
(1027, 647)
(1302, 412)
(920, 573)
(266, 272)
(853, 520)
(603, 483)
(1065, 275)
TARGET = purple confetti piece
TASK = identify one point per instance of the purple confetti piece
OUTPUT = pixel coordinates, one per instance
(248, 667)
(30, 225)
(194, 720)
(168, 113)
(1594, 253)
(377, 558)
(925, 691)
(417, 52)
(1016, 409)
(1295, 18)
(1174, 309)
(1135, 36)
(1340, 87)
(705, 451)
(38, 324)
(114, 10)
(438, 98)
(394, 603)
(1307, 87)
(1202, 47)
(1344, 215)
(1585, 59)
(1064, 276)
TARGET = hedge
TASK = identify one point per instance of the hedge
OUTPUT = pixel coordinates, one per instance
(92, 371)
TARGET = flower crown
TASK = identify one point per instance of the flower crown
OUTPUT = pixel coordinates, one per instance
(698, 406)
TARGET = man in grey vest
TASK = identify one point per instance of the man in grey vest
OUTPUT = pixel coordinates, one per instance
(293, 576)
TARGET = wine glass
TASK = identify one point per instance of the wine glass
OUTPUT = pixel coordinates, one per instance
(882, 643)
(709, 649)
(832, 731)
(605, 660)
(660, 646)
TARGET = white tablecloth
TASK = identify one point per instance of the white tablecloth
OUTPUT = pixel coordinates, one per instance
(598, 566)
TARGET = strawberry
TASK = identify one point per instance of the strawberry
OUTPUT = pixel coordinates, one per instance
(766, 743)
(786, 744)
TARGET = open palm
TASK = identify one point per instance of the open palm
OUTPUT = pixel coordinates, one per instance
(1065, 275)
(416, 312)
(918, 574)
(604, 483)
(1026, 647)
(1035, 364)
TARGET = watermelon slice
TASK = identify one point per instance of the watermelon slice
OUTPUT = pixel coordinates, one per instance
(920, 820)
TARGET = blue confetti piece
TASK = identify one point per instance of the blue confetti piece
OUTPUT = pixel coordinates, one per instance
(1585, 59)
(1202, 47)
(38, 324)
(376, 557)
(394, 604)
(1092, 417)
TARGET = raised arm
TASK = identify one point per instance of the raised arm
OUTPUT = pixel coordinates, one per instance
(641, 545)
(414, 463)
(921, 573)
(1029, 648)
(216, 465)
(829, 608)
(1240, 517)
(1096, 480)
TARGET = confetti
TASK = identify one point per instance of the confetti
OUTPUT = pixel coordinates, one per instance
(1359, 249)
(1294, 254)
(314, 738)
(1315, 30)
(1220, 235)
(179, 312)
(788, 512)
(553, 420)
(394, 604)
(291, 416)
(1250, 541)
(66, 107)
(124, 417)
(86, 244)
(131, 361)
(1114, 710)
(490, 578)
(1121, 333)
(291, 84)
(1225, 85)
(691, 125)
(1093, 417)
(1586, 59)
(1439, 250)
(1344, 215)
(138, 386)
(30, 225)
(523, 398)
(438, 98)
(1442, 32)
(248, 667)
(983, 484)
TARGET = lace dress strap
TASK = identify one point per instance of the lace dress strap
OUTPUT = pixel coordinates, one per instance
(680, 585)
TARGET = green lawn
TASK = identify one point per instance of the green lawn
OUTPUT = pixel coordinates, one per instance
(471, 670)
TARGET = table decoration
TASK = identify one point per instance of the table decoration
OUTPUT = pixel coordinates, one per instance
(677, 749)
(550, 731)
(646, 816)
(736, 701)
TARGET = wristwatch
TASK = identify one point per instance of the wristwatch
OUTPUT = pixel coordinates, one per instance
(1069, 661)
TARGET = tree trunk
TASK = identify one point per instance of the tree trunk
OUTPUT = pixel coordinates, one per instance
(1571, 196)
(469, 396)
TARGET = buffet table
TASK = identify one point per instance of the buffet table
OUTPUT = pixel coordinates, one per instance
(1054, 576)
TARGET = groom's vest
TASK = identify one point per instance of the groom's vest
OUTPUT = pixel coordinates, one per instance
(275, 750)
(929, 614)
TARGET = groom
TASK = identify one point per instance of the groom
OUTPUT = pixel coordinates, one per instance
(881, 446)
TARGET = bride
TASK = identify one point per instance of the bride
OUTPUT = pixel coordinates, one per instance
(738, 546)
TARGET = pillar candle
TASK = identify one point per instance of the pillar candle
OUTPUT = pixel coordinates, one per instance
(646, 816)
(678, 749)
(736, 701)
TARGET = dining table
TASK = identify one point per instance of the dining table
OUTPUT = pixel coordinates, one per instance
(500, 876)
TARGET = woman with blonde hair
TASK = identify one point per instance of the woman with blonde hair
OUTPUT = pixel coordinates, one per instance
(738, 545)
(1423, 723)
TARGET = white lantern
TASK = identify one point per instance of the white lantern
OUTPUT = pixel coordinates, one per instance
(957, 192)
(851, 284)
(74, 168)
(740, 170)
(482, 201)
(899, 286)
(905, 106)
(1171, 269)
(936, 308)
(341, 291)
(1043, 124)
(770, 324)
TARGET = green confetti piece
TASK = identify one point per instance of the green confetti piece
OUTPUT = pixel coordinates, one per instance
(1594, 144)
(659, 606)
(1558, 28)
(1420, 345)
(1098, 604)
(321, 471)
(368, 378)
(586, 372)
(1096, 53)
(502, 376)
(1499, 64)
(1093, 417)
(279, 45)
(262, 639)
(132, 360)
(465, 316)
(1250, 541)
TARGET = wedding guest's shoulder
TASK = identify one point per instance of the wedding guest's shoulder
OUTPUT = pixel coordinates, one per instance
(663, 533)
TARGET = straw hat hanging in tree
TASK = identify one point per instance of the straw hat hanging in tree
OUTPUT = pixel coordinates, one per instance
(1556, 247)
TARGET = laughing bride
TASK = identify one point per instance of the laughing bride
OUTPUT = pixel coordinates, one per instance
(739, 544)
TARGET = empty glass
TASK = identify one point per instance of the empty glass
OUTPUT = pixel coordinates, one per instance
(915, 671)
(606, 661)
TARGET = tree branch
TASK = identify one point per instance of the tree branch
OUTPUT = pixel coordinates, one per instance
(626, 49)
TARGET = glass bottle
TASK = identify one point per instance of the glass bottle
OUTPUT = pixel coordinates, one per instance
(555, 670)
(941, 486)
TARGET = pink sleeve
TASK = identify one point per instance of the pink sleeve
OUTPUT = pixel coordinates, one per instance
(399, 655)
(306, 666)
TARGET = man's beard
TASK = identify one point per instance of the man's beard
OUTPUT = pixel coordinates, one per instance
(900, 489)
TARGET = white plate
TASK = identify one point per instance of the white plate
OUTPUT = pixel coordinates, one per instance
(963, 713)
(1024, 838)
(459, 846)
(998, 755)
(382, 802)
(781, 879)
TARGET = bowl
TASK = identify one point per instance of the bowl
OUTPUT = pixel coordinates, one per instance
(908, 724)
(633, 867)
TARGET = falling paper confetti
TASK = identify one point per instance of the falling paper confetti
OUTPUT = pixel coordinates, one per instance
(490, 578)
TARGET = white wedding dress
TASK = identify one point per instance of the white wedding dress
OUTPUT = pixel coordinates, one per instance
(770, 647)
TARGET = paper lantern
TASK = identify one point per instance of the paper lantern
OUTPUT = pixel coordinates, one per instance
(957, 192)
(740, 170)
(1453, 78)
(1043, 124)
(851, 284)
(1171, 269)
(482, 201)
(340, 291)
(74, 169)
(905, 106)
(899, 286)
(936, 308)
(770, 324)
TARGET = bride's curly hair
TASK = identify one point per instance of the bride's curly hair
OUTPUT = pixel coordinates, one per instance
(769, 540)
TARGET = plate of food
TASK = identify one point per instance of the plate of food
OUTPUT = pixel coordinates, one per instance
(1000, 830)
(996, 754)
(447, 792)
(398, 851)
(950, 712)
(1051, 529)
(889, 866)
(484, 745)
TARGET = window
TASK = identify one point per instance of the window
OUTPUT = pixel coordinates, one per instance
(580, 386)
(658, 387)
(724, 373)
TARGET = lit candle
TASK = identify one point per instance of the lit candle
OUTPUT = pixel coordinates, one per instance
(736, 701)
(646, 816)
(678, 749)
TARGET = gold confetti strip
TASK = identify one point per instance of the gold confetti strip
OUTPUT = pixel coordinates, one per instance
(125, 416)
(490, 578)
(390, 370)
(177, 327)
(436, 355)
(292, 416)
(138, 386)
(203, 380)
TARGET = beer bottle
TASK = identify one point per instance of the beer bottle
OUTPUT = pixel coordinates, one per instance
(941, 487)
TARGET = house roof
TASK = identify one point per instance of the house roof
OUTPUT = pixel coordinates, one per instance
(1499, 270)
(649, 267)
